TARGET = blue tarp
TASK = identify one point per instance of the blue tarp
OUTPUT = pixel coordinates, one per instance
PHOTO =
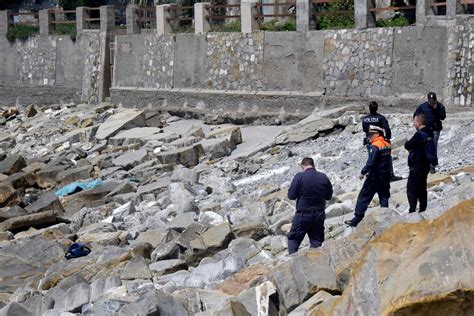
(77, 187)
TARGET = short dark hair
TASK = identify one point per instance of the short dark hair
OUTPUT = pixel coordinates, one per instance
(421, 117)
(431, 96)
(307, 162)
(373, 107)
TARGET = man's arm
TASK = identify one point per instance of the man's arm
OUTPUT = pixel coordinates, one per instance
(417, 111)
(386, 127)
(293, 190)
(441, 111)
(413, 142)
(370, 161)
(329, 189)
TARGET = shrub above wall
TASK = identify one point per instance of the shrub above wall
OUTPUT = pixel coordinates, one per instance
(21, 32)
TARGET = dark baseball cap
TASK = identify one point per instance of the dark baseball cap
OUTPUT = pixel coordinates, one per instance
(431, 96)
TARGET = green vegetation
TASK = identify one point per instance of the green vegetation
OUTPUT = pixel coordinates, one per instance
(72, 4)
(66, 29)
(394, 22)
(21, 32)
(182, 29)
(335, 21)
(277, 26)
(233, 26)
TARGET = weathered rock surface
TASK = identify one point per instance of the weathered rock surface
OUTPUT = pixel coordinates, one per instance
(12, 164)
(191, 219)
(412, 267)
(123, 120)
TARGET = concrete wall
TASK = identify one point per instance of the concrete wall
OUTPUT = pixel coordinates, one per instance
(378, 62)
(260, 70)
(50, 68)
(460, 63)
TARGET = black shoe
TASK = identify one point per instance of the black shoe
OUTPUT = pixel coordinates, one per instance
(432, 169)
(395, 178)
(352, 222)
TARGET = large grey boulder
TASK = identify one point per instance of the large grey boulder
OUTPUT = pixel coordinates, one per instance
(169, 250)
(182, 197)
(15, 309)
(120, 121)
(162, 267)
(101, 285)
(29, 220)
(216, 148)
(12, 164)
(134, 135)
(231, 132)
(74, 298)
(136, 268)
(74, 174)
(187, 156)
(308, 128)
(38, 304)
(130, 159)
(218, 236)
(6, 192)
(27, 259)
(155, 187)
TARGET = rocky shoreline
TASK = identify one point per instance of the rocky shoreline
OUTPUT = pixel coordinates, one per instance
(186, 218)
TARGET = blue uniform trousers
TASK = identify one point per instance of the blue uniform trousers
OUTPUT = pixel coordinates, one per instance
(306, 222)
(379, 184)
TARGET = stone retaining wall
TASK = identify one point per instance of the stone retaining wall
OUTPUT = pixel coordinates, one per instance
(371, 63)
(37, 61)
(358, 62)
(90, 45)
(460, 64)
(57, 62)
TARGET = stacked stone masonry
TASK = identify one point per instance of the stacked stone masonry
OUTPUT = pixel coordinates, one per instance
(358, 62)
(90, 84)
(377, 62)
(37, 61)
(460, 72)
(235, 61)
(158, 61)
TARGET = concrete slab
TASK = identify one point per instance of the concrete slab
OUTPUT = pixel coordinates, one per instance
(255, 138)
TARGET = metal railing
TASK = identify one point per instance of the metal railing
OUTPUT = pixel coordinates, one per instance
(261, 15)
(181, 13)
(146, 17)
(215, 12)
(321, 8)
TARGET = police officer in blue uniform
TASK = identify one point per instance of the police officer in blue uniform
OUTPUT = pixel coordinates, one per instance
(376, 119)
(434, 112)
(310, 189)
(420, 158)
(377, 173)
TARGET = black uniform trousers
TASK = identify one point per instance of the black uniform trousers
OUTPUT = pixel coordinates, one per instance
(416, 188)
(306, 222)
(379, 184)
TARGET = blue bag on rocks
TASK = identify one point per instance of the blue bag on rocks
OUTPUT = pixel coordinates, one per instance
(77, 250)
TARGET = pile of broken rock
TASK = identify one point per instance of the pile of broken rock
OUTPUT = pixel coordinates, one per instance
(185, 218)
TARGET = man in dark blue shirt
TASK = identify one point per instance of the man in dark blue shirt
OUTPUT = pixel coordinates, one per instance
(310, 189)
(419, 163)
(434, 112)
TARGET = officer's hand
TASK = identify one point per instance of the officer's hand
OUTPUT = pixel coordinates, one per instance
(361, 177)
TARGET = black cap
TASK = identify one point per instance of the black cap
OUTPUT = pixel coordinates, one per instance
(431, 96)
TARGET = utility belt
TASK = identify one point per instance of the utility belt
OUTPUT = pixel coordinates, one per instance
(314, 210)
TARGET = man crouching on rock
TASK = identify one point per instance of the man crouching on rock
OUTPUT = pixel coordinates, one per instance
(377, 169)
(310, 189)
